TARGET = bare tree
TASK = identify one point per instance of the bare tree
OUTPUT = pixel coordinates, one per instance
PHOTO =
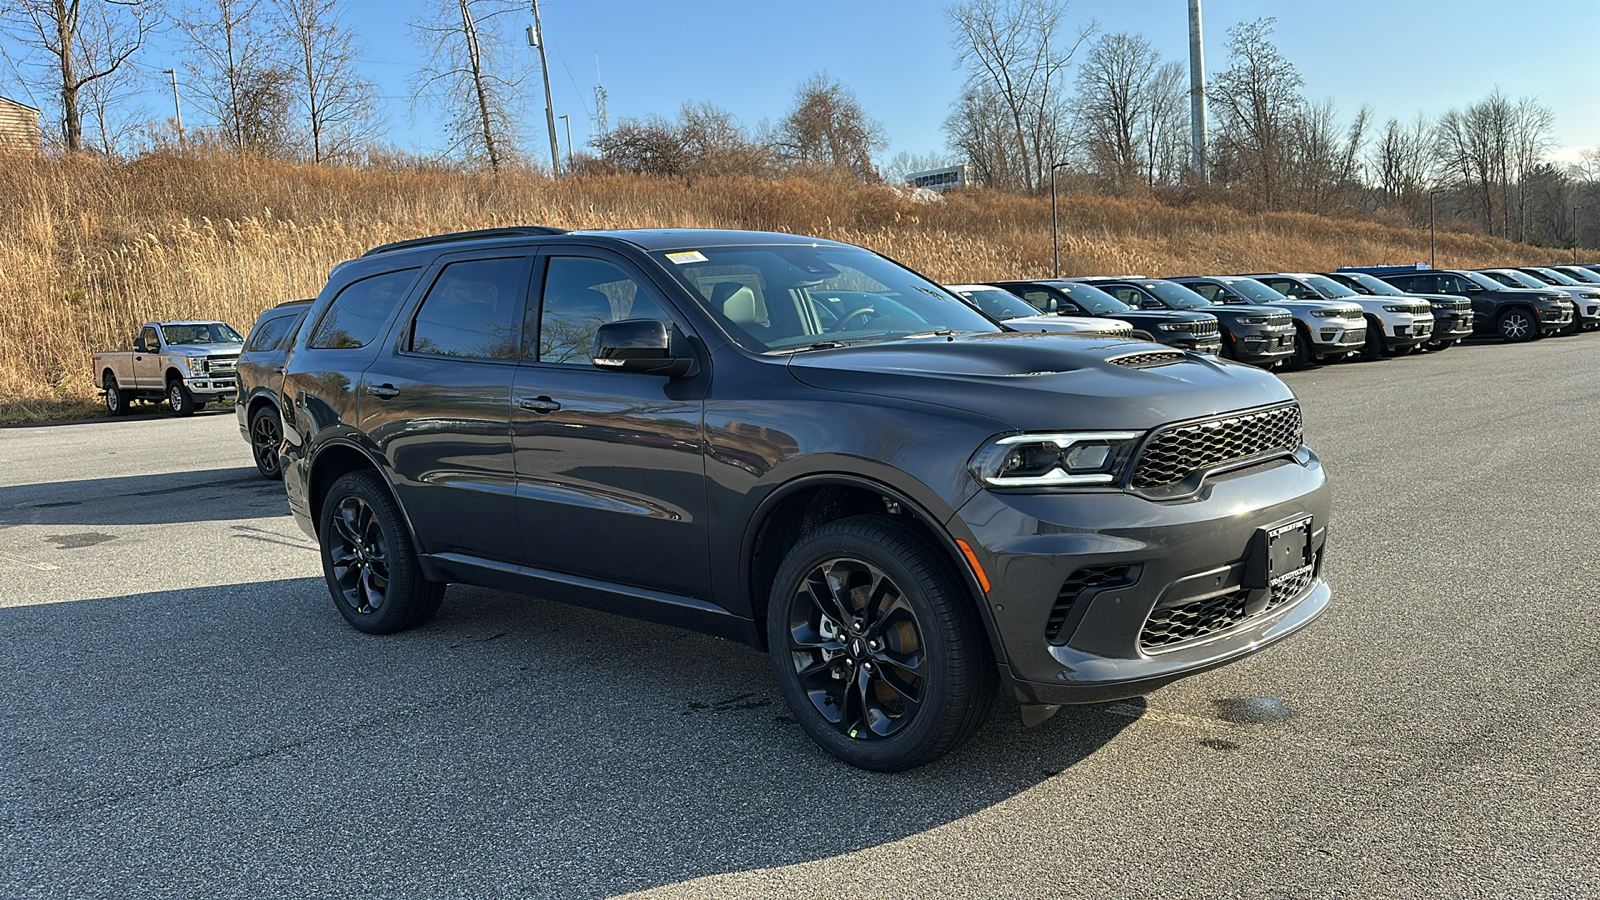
(904, 163)
(1014, 52)
(1492, 147)
(1256, 99)
(1167, 137)
(75, 43)
(827, 128)
(705, 141)
(978, 132)
(1115, 104)
(472, 76)
(334, 101)
(110, 106)
(235, 77)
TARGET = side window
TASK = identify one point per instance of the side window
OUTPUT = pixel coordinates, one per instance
(471, 311)
(360, 310)
(268, 334)
(1451, 284)
(1205, 289)
(580, 294)
(1128, 295)
(1040, 300)
(148, 341)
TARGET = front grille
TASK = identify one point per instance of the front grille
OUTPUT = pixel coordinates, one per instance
(1279, 321)
(1085, 579)
(1291, 586)
(1205, 328)
(1173, 454)
(1192, 621)
(1147, 360)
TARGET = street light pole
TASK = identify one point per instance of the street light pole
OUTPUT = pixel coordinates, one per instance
(1432, 264)
(567, 121)
(1577, 236)
(1055, 228)
(176, 109)
(536, 37)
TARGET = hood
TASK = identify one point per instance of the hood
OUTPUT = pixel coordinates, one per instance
(194, 350)
(1169, 315)
(1240, 311)
(1353, 309)
(1069, 325)
(1038, 381)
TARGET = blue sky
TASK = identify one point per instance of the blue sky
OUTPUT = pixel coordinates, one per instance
(747, 57)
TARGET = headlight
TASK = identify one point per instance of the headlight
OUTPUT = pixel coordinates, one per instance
(1327, 313)
(1588, 296)
(1053, 460)
(199, 365)
(1251, 320)
(1399, 309)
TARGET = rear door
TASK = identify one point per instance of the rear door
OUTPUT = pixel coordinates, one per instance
(436, 402)
(610, 465)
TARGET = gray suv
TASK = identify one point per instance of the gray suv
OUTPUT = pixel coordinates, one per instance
(806, 447)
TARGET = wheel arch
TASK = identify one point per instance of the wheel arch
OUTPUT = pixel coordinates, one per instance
(332, 461)
(805, 503)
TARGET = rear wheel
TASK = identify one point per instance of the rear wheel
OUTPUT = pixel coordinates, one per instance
(875, 647)
(116, 400)
(368, 559)
(1516, 325)
(266, 434)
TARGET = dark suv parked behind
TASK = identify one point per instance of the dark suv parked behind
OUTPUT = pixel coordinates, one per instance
(1261, 336)
(1069, 297)
(1515, 314)
(803, 446)
(260, 373)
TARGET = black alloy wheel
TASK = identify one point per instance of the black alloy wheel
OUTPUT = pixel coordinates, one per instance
(266, 435)
(116, 400)
(368, 560)
(1516, 325)
(181, 401)
(876, 648)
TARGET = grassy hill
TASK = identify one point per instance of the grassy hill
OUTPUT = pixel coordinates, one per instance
(91, 248)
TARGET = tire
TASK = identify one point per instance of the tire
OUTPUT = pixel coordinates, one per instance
(266, 435)
(1303, 356)
(1516, 325)
(1438, 346)
(116, 401)
(368, 560)
(179, 398)
(1373, 349)
(841, 645)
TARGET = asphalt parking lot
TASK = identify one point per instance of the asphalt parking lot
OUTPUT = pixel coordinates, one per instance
(183, 712)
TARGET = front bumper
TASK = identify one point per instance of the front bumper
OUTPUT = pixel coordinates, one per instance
(1066, 644)
(213, 388)
(1260, 345)
(1408, 330)
(1555, 319)
(1337, 335)
(1183, 340)
(1452, 325)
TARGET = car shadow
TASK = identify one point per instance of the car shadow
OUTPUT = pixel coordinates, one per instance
(216, 740)
(203, 496)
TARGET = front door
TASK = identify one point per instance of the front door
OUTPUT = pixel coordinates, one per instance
(610, 465)
(147, 360)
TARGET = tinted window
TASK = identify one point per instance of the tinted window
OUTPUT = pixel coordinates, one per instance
(1253, 289)
(202, 333)
(361, 309)
(580, 294)
(1291, 289)
(471, 310)
(1176, 295)
(1207, 290)
(998, 303)
(269, 333)
(1330, 289)
(148, 341)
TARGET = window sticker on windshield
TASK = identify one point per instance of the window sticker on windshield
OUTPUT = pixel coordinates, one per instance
(684, 257)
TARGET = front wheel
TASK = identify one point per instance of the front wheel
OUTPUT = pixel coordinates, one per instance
(368, 559)
(1303, 357)
(1516, 325)
(875, 647)
(180, 399)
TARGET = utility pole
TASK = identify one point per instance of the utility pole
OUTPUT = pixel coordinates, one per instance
(1577, 236)
(1055, 228)
(1432, 264)
(176, 109)
(1197, 96)
(536, 38)
(567, 121)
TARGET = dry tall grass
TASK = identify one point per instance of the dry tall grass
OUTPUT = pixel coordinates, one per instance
(89, 249)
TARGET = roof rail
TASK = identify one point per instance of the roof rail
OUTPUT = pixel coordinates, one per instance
(512, 231)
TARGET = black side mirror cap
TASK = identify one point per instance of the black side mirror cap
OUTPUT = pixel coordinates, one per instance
(640, 345)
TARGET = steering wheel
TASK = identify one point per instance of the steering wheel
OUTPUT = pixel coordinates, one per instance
(845, 320)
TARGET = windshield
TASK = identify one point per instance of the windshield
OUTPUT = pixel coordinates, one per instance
(999, 303)
(1175, 295)
(1329, 288)
(1556, 277)
(1583, 275)
(1483, 281)
(203, 333)
(793, 296)
(1091, 298)
(1516, 279)
(1253, 290)
(1373, 283)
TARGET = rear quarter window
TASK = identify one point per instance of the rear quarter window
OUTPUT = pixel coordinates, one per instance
(360, 311)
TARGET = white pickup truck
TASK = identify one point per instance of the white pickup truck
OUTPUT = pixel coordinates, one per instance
(188, 364)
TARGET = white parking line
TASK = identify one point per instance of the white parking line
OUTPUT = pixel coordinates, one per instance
(43, 567)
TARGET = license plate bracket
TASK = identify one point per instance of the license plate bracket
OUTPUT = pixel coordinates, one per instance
(1278, 550)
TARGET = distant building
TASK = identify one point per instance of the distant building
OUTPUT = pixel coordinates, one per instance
(943, 179)
(19, 125)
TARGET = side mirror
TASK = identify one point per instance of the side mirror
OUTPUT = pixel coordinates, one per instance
(1147, 303)
(639, 345)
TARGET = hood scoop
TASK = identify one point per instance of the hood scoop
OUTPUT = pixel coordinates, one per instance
(1147, 359)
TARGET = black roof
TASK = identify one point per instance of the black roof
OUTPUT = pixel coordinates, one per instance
(649, 239)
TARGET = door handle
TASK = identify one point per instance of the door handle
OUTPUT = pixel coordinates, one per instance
(383, 391)
(538, 404)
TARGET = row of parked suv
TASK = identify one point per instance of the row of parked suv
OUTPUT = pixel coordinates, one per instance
(907, 496)
(1299, 319)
